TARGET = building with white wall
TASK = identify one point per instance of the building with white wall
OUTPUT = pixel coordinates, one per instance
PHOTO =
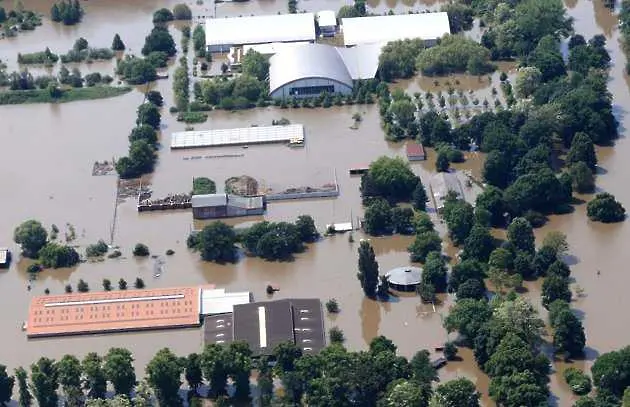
(382, 29)
(224, 33)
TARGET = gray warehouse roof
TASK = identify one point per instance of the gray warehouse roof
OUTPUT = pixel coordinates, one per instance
(307, 61)
(367, 30)
(323, 61)
(260, 29)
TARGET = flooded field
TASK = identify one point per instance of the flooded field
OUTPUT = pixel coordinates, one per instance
(46, 173)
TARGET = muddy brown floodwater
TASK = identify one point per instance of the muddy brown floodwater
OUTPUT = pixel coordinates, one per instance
(47, 157)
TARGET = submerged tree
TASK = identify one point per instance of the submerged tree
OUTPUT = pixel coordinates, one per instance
(368, 269)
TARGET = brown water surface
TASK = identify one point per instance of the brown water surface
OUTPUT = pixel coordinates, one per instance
(47, 157)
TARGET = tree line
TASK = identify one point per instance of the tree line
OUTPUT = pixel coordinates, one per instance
(334, 377)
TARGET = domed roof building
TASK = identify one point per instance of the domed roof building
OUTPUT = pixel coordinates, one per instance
(404, 278)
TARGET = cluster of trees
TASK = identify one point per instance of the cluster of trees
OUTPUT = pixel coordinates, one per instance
(460, 16)
(333, 377)
(26, 20)
(67, 12)
(239, 93)
(181, 85)
(279, 241)
(159, 40)
(515, 31)
(269, 240)
(398, 111)
(612, 380)
(388, 182)
(33, 239)
(81, 52)
(455, 53)
(605, 208)
(180, 12)
(398, 59)
(46, 57)
(505, 334)
(199, 41)
(143, 143)
(243, 91)
(137, 71)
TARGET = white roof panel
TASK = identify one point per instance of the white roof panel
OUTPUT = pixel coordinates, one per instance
(367, 30)
(217, 301)
(208, 200)
(238, 136)
(260, 29)
(272, 48)
(362, 60)
(326, 18)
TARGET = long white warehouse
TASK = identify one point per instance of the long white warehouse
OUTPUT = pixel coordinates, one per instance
(223, 33)
(382, 29)
(292, 134)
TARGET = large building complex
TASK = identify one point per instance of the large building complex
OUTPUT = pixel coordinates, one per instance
(128, 310)
(265, 325)
(383, 29)
(310, 69)
(224, 33)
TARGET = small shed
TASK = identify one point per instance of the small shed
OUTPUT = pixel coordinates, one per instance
(327, 23)
(404, 278)
(5, 257)
(415, 151)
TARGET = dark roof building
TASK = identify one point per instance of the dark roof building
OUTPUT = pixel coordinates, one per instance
(265, 325)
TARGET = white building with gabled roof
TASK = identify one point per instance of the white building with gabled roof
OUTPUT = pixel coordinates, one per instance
(382, 29)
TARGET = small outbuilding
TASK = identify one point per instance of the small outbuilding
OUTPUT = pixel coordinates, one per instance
(404, 278)
(5, 257)
(327, 22)
(415, 151)
(214, 206)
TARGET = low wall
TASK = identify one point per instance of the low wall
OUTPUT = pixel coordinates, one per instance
(164, 206)
(302, 195)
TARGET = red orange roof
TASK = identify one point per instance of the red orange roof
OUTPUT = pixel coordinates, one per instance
(414, 149)
(109, 311)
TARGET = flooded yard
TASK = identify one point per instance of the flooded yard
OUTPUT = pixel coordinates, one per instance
(48, 153)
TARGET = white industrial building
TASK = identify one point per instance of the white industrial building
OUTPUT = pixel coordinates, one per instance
(327, 22)
(311, 69)
(224, 33)
(382, 29)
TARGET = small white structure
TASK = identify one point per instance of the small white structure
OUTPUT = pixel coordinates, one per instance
(340, 227)
(382, 29)
(327, 21)
(223, 33)
(5, 257)
(217, 301)
(291, 133)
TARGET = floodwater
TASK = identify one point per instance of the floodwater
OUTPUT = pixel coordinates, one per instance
(47, 157)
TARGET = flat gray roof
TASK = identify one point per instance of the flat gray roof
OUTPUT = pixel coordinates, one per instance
(239, 136)
(218, 329)
(206, 200)
(264, 325)
(383, 29)
(260, 29)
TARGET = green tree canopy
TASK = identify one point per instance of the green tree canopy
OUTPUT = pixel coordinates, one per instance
(159, 40)
(521, 235)
(582, 149)
(378, 217)
(163, 375)
(434, 271)
(162, 15)
(32, 236)
(390, 178)
(216, 242)
(368, 269)
(605, 208)
(458, 392)
(398, 59)
(119, 370)
(255, 65)
(94, 376)
(45, 380)
(424, 243)
(6, 385)
(117, 43)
